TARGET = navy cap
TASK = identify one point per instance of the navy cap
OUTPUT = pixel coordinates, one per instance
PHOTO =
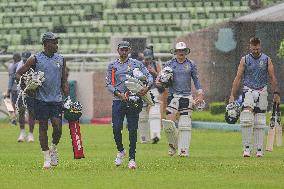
(123, 44)
(26, 55)
(49, 36)
(148, 53)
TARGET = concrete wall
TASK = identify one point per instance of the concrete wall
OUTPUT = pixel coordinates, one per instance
(218, 68)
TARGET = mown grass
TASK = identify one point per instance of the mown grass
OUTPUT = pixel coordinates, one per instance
(215, 162)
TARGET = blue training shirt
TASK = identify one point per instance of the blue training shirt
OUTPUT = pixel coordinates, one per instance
(51, 90)
(183, 73)
(117, 72)
(256, 71)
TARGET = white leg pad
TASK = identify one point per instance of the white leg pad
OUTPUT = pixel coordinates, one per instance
(171, 132)
(259, 125)
(155, 121)
(246, 122)
(184, 135)
(144, 126)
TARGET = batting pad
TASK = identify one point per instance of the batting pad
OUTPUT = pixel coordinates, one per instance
(155, 121)
(184, 135)
(134, 85)
(143, 126)
(171, 132)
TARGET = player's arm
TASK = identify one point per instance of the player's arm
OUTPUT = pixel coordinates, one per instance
(64, 82)
(237, 80)
(30, 63)
(274, 83)
(194, 76)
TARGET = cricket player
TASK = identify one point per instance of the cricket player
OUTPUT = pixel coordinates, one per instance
(49, 97)
(12, 86)
(255, 68)
(122, 105)
(180, 100)
(150, 117)
(22, 109)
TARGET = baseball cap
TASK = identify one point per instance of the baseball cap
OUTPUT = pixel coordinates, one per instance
(123, 44)
(49, 36)
(148, 54)
(26, 55)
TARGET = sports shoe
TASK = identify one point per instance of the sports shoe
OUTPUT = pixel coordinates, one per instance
(22, 136)
(119, 158)
(132, 164)
(246, 152)
(259, 153)
(47, 160)
(53, 155)
(31, 137)
(183, 153)
(155, 140)
(172, 150)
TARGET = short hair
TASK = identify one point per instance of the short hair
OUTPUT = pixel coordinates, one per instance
(254, 41)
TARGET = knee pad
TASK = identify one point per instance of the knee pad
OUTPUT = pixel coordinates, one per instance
(259, 120)
(246, 118)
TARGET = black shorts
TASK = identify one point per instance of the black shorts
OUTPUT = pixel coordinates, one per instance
(46, 110)
(30, 103)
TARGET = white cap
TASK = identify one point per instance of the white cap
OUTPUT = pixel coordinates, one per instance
(181, 45)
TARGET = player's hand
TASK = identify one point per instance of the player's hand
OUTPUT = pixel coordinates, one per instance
(231, 99)
(199, 98)
(122, 97)
(151, 70)
(6, 95)
(143, 91)
(276, 98)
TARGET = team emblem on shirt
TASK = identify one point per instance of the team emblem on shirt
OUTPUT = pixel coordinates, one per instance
(261, 63)
(186, 67)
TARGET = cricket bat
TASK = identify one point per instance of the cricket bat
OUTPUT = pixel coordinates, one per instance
(75, 134)
(274, 128)
(8, 104)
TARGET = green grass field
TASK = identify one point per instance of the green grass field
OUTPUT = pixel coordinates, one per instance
(215, 162)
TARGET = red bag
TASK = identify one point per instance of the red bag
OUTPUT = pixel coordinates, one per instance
(75, 133)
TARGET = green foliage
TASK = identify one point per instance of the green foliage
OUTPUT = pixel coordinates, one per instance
(217, 107)
(281, 49)
(281, 107)
(207, 116)
(215, 162)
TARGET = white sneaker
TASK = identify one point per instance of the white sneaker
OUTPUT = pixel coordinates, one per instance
(172, 150)
(119, 158)
(183, 153)
(22, 136)
(259, 154)
(31, 137)
(53, 155)
(246, 152)
(132, 164)
(47, 160)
